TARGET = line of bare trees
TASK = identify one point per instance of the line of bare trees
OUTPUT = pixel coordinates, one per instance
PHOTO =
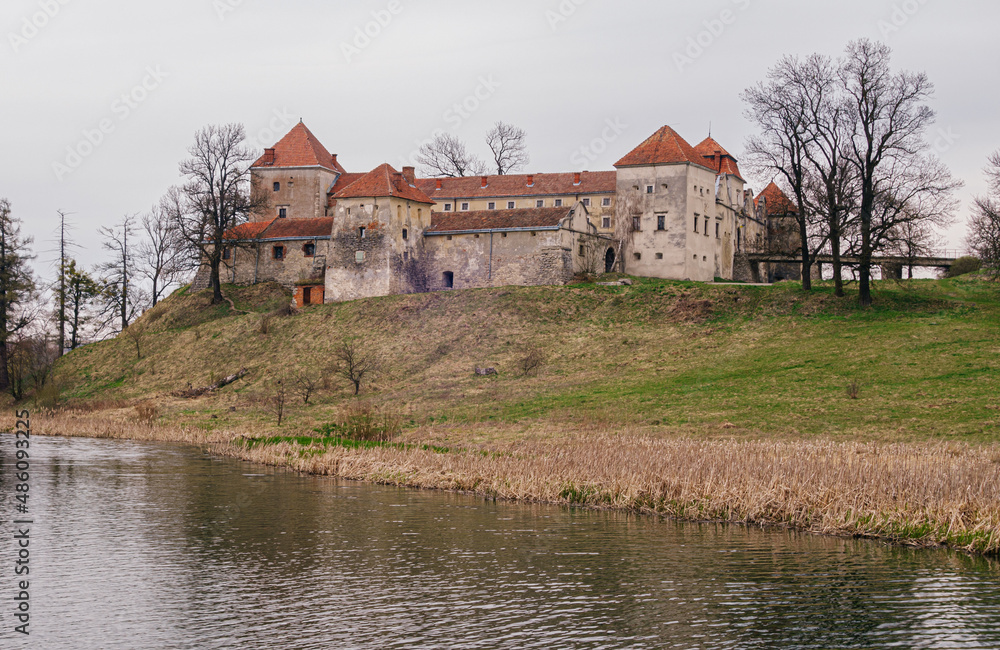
(847, 140)
(447, 156)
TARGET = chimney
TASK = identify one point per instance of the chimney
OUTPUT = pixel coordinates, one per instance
(334, 160)
(717, 158)
(268, 157)
(576, 178)
(531, 180)
(486, 181)
(439, 184)
(409, 173)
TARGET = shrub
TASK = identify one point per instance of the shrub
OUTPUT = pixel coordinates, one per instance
(963, 265)
(365, 421)
(853, 389)
(146, 413)
(532, 360)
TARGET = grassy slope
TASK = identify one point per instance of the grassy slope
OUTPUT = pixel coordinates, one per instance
(669, 357)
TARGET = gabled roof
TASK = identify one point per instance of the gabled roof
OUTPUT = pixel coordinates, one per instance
(717, 158)
(300, 148)
(246, 231)
(471, 187)
(777, 202)
(383, 181)
(527, 218)
(664, 147)
(299, 228)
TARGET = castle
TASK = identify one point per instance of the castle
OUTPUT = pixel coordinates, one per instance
(669, 211)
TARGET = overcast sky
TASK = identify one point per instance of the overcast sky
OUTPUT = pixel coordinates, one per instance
(101, 98)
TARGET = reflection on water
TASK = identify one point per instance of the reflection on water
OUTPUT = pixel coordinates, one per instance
(142, 545)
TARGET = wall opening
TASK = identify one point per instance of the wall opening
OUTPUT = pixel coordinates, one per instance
(609, 261)
(449, 280)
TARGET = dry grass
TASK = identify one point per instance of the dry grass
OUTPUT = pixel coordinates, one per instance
(920, 494)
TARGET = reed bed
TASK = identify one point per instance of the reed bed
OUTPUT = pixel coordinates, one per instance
(913, 493)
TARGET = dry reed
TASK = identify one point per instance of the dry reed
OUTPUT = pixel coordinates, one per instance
(920, 494)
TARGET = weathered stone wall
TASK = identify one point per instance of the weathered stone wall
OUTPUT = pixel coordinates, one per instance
(302, 191)
(518, 258)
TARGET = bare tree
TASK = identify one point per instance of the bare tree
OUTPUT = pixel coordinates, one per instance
(61, 286)
(509, 147)
(121, 297)
(984, 226)
(163, 256)
(447, 156)
(216, 196)
(888, 118)
(137, 335)
(355, 364)
(780, 107)
(306, 383)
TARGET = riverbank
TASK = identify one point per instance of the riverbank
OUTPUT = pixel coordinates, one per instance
(923, 494)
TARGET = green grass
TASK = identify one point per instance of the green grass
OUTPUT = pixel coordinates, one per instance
(668, 356)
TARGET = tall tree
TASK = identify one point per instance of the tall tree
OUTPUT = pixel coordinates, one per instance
(163, 258)
(17, 288)
(121, 295)
(780, 108)
(509, 146)
(81, 291)
(447, 157)
(216, 196)
(984, 227)
(61, 282)
(888, 118)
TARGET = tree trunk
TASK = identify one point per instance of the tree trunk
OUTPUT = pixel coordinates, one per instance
(217, 297)
(806, 259)
(838, 277)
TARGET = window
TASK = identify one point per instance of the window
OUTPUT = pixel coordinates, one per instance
(649, 189)
(661, 222)
(558, 203)
(511, 205)
(405, 234)
(406, 255)
(637, 256)
(465, 207)
(606, 202)
(491, 206)
(309, 250)
(696, 222)
(503, 234)
(717, 235)
(227, 253)
(586, 203)
(399, 212)
(706, 226)
(361, 232)
(534, 234)
(636, 223)
(277, 187)
(606, 222)
(539, 203)
(581, 250)
(448, 237)
(659, 256)
(359, 257)
(278, 252)
(449, 280)
(282, 213)
(447, 207)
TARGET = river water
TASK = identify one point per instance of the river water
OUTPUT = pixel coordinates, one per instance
(138, 545)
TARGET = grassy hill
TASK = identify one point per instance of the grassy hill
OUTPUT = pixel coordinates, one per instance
(661, 357)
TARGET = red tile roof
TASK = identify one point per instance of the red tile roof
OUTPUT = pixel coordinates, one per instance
(665, 146)
(383, 181)
(777, 202)
(247, 231)
(299, 228)
(300, 148)
(717, 158)
(442, 222)
(471, 187)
